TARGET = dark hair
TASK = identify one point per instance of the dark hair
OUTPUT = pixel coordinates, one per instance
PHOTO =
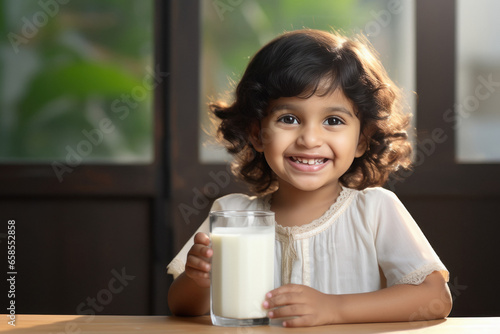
(298, 64)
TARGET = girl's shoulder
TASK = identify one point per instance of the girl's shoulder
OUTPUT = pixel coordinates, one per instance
(377, 193)
(375, 198)
(239, 201)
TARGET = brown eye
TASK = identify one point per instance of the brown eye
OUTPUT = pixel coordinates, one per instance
(333, 121)
(288, 119)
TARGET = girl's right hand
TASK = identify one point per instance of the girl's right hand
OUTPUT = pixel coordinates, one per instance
(198, 260)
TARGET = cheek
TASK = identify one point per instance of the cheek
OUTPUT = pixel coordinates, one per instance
(274, 139)
(345, 145)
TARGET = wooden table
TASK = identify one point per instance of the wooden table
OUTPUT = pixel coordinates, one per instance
(69, 324)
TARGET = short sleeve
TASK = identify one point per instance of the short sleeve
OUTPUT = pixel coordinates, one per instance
(403, 252)
(228, 202)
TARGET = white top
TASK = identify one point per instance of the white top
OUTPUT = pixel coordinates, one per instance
(365, 241)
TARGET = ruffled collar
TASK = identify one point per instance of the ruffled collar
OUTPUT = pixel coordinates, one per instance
(318, 225)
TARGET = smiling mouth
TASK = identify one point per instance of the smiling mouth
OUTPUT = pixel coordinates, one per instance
(304, 161)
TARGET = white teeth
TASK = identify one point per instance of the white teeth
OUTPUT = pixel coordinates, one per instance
(309, 161)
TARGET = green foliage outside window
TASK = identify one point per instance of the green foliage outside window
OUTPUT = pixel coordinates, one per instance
(76, 80)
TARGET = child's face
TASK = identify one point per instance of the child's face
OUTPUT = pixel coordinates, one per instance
(310, 143)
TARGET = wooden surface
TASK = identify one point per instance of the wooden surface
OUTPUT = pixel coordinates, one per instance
(57, 324)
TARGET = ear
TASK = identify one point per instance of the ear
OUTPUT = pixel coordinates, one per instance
(256, 137)
(362, 145)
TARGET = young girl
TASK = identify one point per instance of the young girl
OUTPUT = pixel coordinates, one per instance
(316, 128)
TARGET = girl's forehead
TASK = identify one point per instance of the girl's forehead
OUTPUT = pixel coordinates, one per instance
(334, 98)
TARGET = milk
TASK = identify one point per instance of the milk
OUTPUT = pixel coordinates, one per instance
(242, 270)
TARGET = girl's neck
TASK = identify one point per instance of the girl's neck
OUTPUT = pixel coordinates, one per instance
(294, 207)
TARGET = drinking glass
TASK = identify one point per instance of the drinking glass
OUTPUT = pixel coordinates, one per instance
(242, 266)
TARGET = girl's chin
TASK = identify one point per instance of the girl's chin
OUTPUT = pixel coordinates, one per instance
(307, 186)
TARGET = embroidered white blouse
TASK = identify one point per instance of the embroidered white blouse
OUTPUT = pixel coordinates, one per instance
(365, 241)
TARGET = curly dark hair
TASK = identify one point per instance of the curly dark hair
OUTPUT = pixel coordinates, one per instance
(298, 64)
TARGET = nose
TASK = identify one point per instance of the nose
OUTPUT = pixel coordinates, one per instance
(310, 136)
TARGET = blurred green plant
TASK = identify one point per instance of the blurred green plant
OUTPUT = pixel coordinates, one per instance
(64, 67)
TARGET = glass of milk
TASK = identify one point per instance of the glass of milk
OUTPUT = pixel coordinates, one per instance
(242, 266)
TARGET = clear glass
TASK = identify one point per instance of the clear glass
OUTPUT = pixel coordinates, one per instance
(476, 112)
(77, 81)
(242, 266)
(232, 31)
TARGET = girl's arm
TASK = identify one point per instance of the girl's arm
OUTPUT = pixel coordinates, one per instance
(186, 298)
(429, 300)
(189, 294)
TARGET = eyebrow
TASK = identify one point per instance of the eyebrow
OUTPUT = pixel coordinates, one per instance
(329, 109)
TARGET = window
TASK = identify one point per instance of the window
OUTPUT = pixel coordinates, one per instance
(77, 81)
(477, 103)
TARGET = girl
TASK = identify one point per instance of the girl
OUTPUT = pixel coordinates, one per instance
(316, 128)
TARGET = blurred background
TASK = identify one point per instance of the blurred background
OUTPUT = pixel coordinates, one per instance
(107, 162)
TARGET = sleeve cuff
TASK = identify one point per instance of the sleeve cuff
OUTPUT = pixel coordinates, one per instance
(418, 276)
(175, 268)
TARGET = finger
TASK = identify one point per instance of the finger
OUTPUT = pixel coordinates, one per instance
(283, 299)
(202, 238)
(294, 310)
(303, 321)
(201, 278)
(196, 274)
(285, 289)
(197, 263)
(201, 251)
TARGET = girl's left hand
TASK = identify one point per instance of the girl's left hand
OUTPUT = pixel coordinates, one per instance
(309, 306)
